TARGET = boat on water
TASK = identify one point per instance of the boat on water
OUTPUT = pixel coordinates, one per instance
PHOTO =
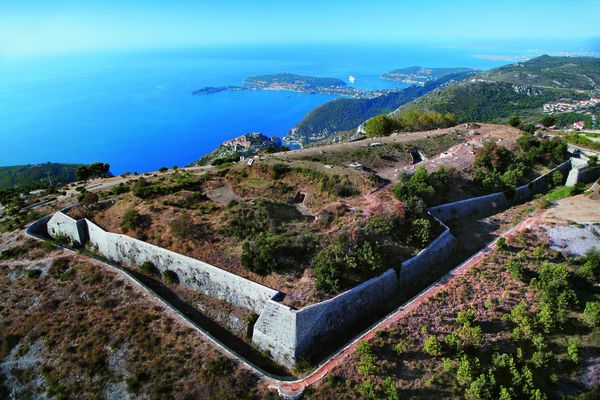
(351, 78)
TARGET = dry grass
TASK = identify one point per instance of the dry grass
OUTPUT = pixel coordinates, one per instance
(85, 315)
(491, 292)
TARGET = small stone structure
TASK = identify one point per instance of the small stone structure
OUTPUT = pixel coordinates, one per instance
(286, 333)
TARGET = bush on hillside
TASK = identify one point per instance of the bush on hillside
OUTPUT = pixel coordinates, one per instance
(381, 125)
(131, 220)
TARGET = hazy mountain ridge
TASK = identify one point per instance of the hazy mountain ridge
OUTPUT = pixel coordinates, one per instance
(520, 88)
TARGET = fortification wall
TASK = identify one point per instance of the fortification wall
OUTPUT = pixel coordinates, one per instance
(415, 268)
(275, 331)
(319, 324)
(491, 204)
(39, 227)
(290, 334)
(62, 225)
(587, 175)
(191, 273)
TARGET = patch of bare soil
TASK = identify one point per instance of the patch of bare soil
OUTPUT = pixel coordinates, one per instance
(222, 195)
(576, 209)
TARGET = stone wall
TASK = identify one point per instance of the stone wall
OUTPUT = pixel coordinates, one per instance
(275, 331)
(290, 334)
(62, 225)
(192, 273)
(417, 267)
(587, 175)
(491, 204)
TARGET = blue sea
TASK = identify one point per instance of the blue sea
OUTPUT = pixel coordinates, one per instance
(135, 110)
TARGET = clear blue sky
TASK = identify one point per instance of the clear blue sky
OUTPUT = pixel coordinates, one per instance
(57, 26)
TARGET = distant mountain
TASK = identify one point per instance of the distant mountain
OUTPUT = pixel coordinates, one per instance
(420, 75)
(246, 145)
(579, 73)
(35, 176)
(346, 114)
(522, 88)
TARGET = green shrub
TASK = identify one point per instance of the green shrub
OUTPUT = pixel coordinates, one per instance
(363, 347)
(398, 349)
(270, 252)
(466, 317)
(33, 273)
(574, 350)
(481, 388)
(389, 388)
(557, 178)
(421, 184)
(329, 265)
(452, 340)
(465, 371)
(421, 231)
(169, 276)
(501, 244)
(148, 268)
(279, 170)
(590, 266)
(591, 313)
(381, 125)
(367, 390)
(515, 269)
(131, 220)
(471, 336)
(366, 365)
(432, 346)
(514, 121)
(546, 318)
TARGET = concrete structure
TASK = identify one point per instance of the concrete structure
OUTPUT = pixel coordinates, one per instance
(581, 173)
(62, 225)
(192, 273)
(416, 268)
(290, 334)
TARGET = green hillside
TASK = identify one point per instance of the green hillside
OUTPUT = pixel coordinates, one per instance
(287, 78)
(581, 73)
(37, 175)
(420, 74)
(520, 88)
(345, 114)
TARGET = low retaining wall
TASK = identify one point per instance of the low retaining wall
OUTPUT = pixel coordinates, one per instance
(491, 204)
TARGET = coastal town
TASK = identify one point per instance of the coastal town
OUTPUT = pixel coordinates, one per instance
(562, 106)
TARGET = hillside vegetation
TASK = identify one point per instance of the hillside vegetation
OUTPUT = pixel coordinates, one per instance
(521, 88)
(345, 114)
(34, 176)
(582, 73)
